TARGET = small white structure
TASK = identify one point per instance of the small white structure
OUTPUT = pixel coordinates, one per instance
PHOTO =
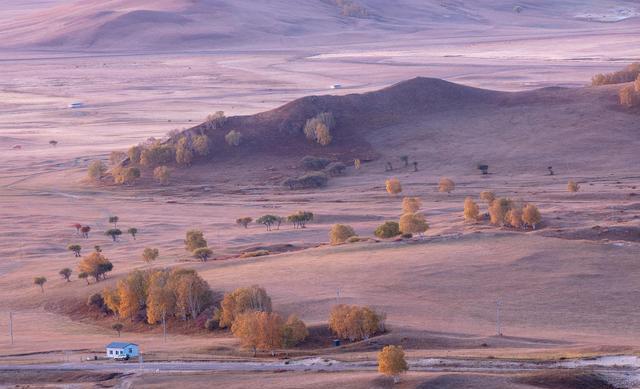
(122, 349)
(76, 104)
(336, 86)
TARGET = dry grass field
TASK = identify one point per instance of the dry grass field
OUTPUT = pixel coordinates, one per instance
(567, 289)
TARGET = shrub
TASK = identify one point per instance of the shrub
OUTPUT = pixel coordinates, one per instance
(411, 204)
(202, 253)
(96, 170)
(241, 300)
(96, 300)
(387, 230)
(135, 154)
(531, 215)
(335, 169)
(233, 138)
(211, 324)
(194, 240)
(215, 120)
(629, 96)
(354, 322)
(391, 362)
(471, 210)
(514, 216)
(157, 154)
(407, 235)
(116, 157)
(446, 185)
(339, 233)
(393, 186)
(628, 74)
(184, 152)
(300, 219)
(487, 196)
(244, 221)
(319, 128)
(161, 174)
(201, 145)
(413, 223)
(125, 175)
(256, 253)
(307, 181)
(573, 186)
(314, 163)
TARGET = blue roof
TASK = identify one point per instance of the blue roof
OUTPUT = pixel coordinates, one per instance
(120, 344)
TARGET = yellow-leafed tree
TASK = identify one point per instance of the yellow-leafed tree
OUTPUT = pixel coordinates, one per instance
(391, 362)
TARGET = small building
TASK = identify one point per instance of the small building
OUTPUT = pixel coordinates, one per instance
(76, 104)
(122, 349)
(336, 86)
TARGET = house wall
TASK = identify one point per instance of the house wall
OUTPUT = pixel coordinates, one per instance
(131, 350)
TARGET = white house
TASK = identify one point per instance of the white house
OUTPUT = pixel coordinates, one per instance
(122, 349)
(76, 104)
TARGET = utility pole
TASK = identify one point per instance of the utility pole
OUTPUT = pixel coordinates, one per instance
(11, 326)
(498, 329)
(338, 296)
(164, 327)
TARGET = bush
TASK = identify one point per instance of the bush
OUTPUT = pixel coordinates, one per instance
(156, 155)
(393, 186)
(307, 181)
(96, 300)
(354, 322)
(117, 157)
(407, 235)
(339, 233)
(573, 186)
(628, 74)
(414, 223)
(314, 163)
(335, 169)
(241, 300)
(411, 204)
(150, 254)
(233, 138)
(134, 153)
(194, 240)
(211, 324)
(256, 253)
(96, 170)
(446, 185)
(471, 210)
(387, 230)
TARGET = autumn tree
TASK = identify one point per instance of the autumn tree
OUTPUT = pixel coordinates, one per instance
(201, 145)
(411, 204)
(471, 210)
(40, 281)
(393, 186)
(573, 186)
(114, 233)
(66, 274)
(75, 248)
(157, 154)
(202, 253)
(295, 331)
(150, 254)
(252, 298)
(134, 153)
(446, 185)
(233, 138)
(77, 226)
(192, 293)
(413, 223)
(96, 170)
(184, 152)
(498, 211)
(487, 196)
(161, 301)
(244, 221)
(118, 328)
(629, 96)
(215, 120)
(387, 230)
(116, 157)
(392, 362)
(111, 300)
(259, 330)
(125, 175)
(132, 294)
(355, 323)
(339, 233)
(514, 216)
(161, 174)
(95, 265)
(319, 128)
(531, 215)
(133, 232)
(194, 240)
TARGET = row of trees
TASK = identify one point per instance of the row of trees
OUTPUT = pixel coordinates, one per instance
(503, 211)
(394, 187)
(628, 74)
(298, 219)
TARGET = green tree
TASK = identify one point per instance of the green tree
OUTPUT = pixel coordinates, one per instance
(133, 231)
(194, 240)
(114, 233)
(202, 253)
(66, 273)
(84, 276)
(114, 220)
(75, 248)
(40, 281)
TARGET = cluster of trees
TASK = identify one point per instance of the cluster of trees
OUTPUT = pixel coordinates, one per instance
(503, 211)
(412, 220)
(154, 295)
(196, 244)
(307, 181)
(630, 94)
(318, 128)
(248, 313)
(627, 74)
(354, 322)
(94, 265)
